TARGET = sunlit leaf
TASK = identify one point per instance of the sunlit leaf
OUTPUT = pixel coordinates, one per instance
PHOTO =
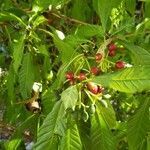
(70, 97)
(130, 80)
(54, 124)
(71, 140)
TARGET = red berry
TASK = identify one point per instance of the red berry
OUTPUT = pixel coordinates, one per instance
(70, 75)
(111, 53)
(112, 47)
(98, 56)
(92, 87)
(81, 76)
(120, 64)
(95, 70)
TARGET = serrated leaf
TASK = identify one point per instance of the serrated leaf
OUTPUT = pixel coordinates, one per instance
(18, 48)
(138, 54)
(54, 124)
(70, 97)
(26, 76)
(129, 80)
(139, 126)
(71, 140)
(101, 136)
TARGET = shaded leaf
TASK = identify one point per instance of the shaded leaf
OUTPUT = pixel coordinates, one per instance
(103, 9)
(138, 126)
(18, 48)
(6, 16)
(26, 76)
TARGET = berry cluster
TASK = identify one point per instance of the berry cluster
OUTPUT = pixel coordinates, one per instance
(94, 70)
(112, 48)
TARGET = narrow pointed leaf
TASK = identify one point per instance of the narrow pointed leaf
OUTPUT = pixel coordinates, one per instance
(26, 76)
(18, 48)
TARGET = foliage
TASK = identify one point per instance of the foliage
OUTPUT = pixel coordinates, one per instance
(75, 74)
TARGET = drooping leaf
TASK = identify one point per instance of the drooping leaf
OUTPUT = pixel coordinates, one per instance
(101, 136)
(70, 97)
(139, 126)
(6, 16)
(71, 140)
(26, 76)
(18, 48)
(138, 54)
(54, 124)
(129, 80)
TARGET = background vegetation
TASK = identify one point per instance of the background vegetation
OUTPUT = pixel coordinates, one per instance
(89, 62)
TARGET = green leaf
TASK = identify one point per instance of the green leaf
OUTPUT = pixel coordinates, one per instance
(147, 10)
(71, 140)
(66, 50)
(11, 79)
(18, 48)
(138, 126)
(87, 31)
(26, 76)
(15, 144)
(139, 55)
(80, 10)
(43, 50)
(39, 20)
(70, 97)
(103, 9)
(101, 136)
(54, 124)
(6, 16)
(108, 114)
(129, 80)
